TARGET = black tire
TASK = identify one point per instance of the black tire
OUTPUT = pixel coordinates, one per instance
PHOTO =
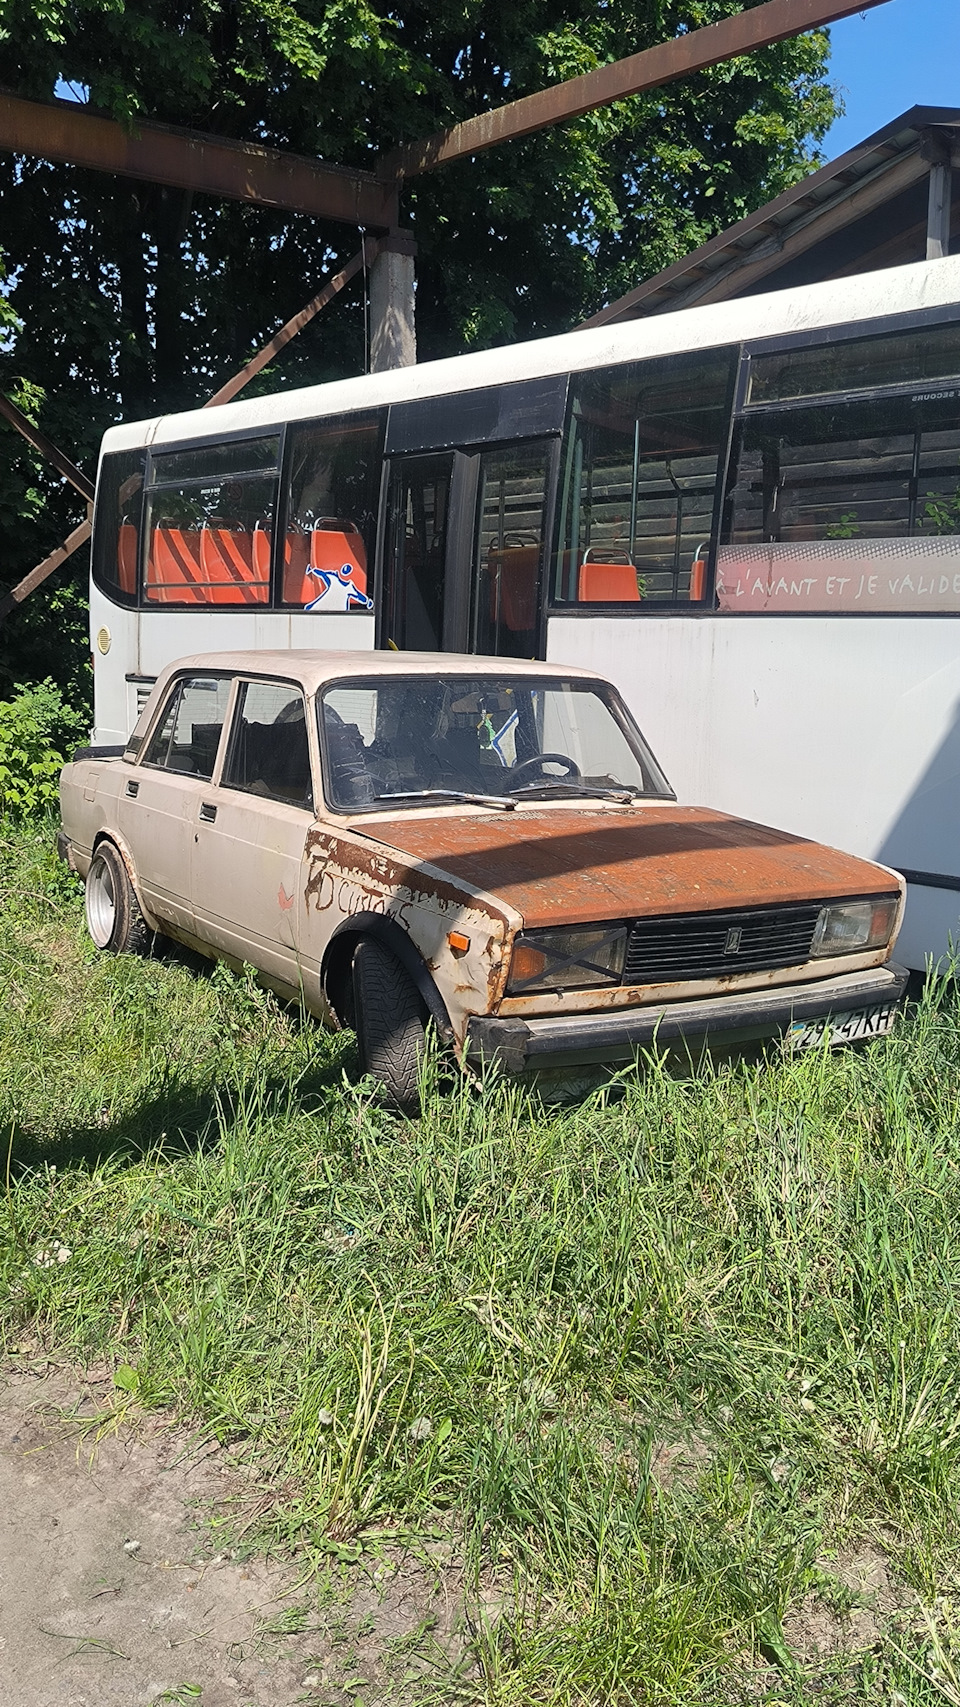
(390, 1022)
(114, 919)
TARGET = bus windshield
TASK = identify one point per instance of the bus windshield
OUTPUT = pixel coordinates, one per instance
(411, 741)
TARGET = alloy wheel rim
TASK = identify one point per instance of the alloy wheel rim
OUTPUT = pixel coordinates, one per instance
(100, 902)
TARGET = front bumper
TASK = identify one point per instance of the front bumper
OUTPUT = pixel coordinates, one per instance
(520, 1045)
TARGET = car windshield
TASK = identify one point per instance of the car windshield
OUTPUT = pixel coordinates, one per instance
(427, 740)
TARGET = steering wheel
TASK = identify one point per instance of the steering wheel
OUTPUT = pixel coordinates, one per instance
(537, 767)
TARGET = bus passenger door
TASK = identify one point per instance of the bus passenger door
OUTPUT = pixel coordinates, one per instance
(415, 562)
(508, 546)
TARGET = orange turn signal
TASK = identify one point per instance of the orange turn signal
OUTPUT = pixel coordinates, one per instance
(458, 942)
(527, 962)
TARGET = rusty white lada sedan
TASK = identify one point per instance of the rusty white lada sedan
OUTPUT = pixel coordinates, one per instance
(395, 838)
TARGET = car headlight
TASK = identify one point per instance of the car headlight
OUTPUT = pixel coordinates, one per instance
(567, 959)
(851, 927)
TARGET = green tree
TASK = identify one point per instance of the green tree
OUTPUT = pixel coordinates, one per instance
(125, 300)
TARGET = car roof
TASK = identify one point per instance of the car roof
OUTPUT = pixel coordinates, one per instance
(314, 669)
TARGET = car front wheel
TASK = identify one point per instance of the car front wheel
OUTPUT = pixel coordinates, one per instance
(390, 1023)
(114, 919)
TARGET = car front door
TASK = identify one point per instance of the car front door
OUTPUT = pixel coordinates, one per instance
(161, 795)
(250, 830)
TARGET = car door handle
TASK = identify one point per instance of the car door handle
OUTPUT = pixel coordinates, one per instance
(208, 812)
(133, 789)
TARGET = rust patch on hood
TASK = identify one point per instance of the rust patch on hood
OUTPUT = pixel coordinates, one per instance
(571, 867)
(386, 870)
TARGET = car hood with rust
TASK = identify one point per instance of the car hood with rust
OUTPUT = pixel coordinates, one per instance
(571, 866)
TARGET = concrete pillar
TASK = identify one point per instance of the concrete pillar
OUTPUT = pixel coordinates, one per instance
(936, 149)
(393, 337)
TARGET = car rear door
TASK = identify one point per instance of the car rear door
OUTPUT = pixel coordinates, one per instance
(250, 830)
(160, 797)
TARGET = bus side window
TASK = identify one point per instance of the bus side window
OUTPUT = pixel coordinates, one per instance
(642, 460)
(209, 524)
(334, 485)
(116, 528)
(840, 499)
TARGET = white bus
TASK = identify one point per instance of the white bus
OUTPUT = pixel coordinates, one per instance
(747, 515)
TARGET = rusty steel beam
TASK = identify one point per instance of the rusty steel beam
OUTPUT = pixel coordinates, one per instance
(47, 448)
(365, 256)
(72, 543)
(162, 154)
(761, 26)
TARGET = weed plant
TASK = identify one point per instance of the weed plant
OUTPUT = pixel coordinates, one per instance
(676, 1367)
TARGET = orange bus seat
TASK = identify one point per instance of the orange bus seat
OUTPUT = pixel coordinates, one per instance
(298, 588)
(332, 546)
(174, 575)
(227, 561)
(262, 543)
(607, 583)
(335, 544)
(513, 571)
(127, 558)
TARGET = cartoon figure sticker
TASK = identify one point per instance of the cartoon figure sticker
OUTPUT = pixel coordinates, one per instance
(338, 590)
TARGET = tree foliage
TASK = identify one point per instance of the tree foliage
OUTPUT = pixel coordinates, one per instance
(37, 731)
(125, 300)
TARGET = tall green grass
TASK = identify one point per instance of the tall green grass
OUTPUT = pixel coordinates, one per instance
(664, 1364)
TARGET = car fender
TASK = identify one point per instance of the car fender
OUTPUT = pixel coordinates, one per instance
(123, 850)
(339, 952)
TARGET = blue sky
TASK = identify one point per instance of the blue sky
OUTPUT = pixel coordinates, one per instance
(903, 54)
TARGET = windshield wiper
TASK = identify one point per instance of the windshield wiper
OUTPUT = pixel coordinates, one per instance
(579, 790)
(452, 794)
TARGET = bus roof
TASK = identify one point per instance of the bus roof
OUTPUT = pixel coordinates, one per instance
(865, 296)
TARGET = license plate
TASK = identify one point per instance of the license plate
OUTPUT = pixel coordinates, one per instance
(843, 1028)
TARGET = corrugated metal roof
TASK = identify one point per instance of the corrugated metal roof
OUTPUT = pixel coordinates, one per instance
(865, 209)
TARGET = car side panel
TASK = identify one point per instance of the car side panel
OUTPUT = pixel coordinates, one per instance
(345, 874)
(157, 823)
(246, 879)
(90, 790)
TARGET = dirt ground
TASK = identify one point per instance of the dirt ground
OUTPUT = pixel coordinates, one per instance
(119, 1589)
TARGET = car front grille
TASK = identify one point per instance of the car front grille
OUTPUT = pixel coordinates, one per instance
(711, 945)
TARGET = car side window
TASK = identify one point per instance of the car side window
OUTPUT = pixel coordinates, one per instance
(269, 755)
(188, 734)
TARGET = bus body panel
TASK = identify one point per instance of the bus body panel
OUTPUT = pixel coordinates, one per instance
(115, 645)
(843, 729)
(148, 640)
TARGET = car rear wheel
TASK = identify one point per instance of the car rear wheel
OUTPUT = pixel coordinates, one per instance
(390, 1022)
(114, 919)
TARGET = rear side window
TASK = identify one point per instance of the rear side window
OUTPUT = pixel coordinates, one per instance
(847, 502)
(209, 524)
(116, 533)
(269, 754)
(188, 734)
